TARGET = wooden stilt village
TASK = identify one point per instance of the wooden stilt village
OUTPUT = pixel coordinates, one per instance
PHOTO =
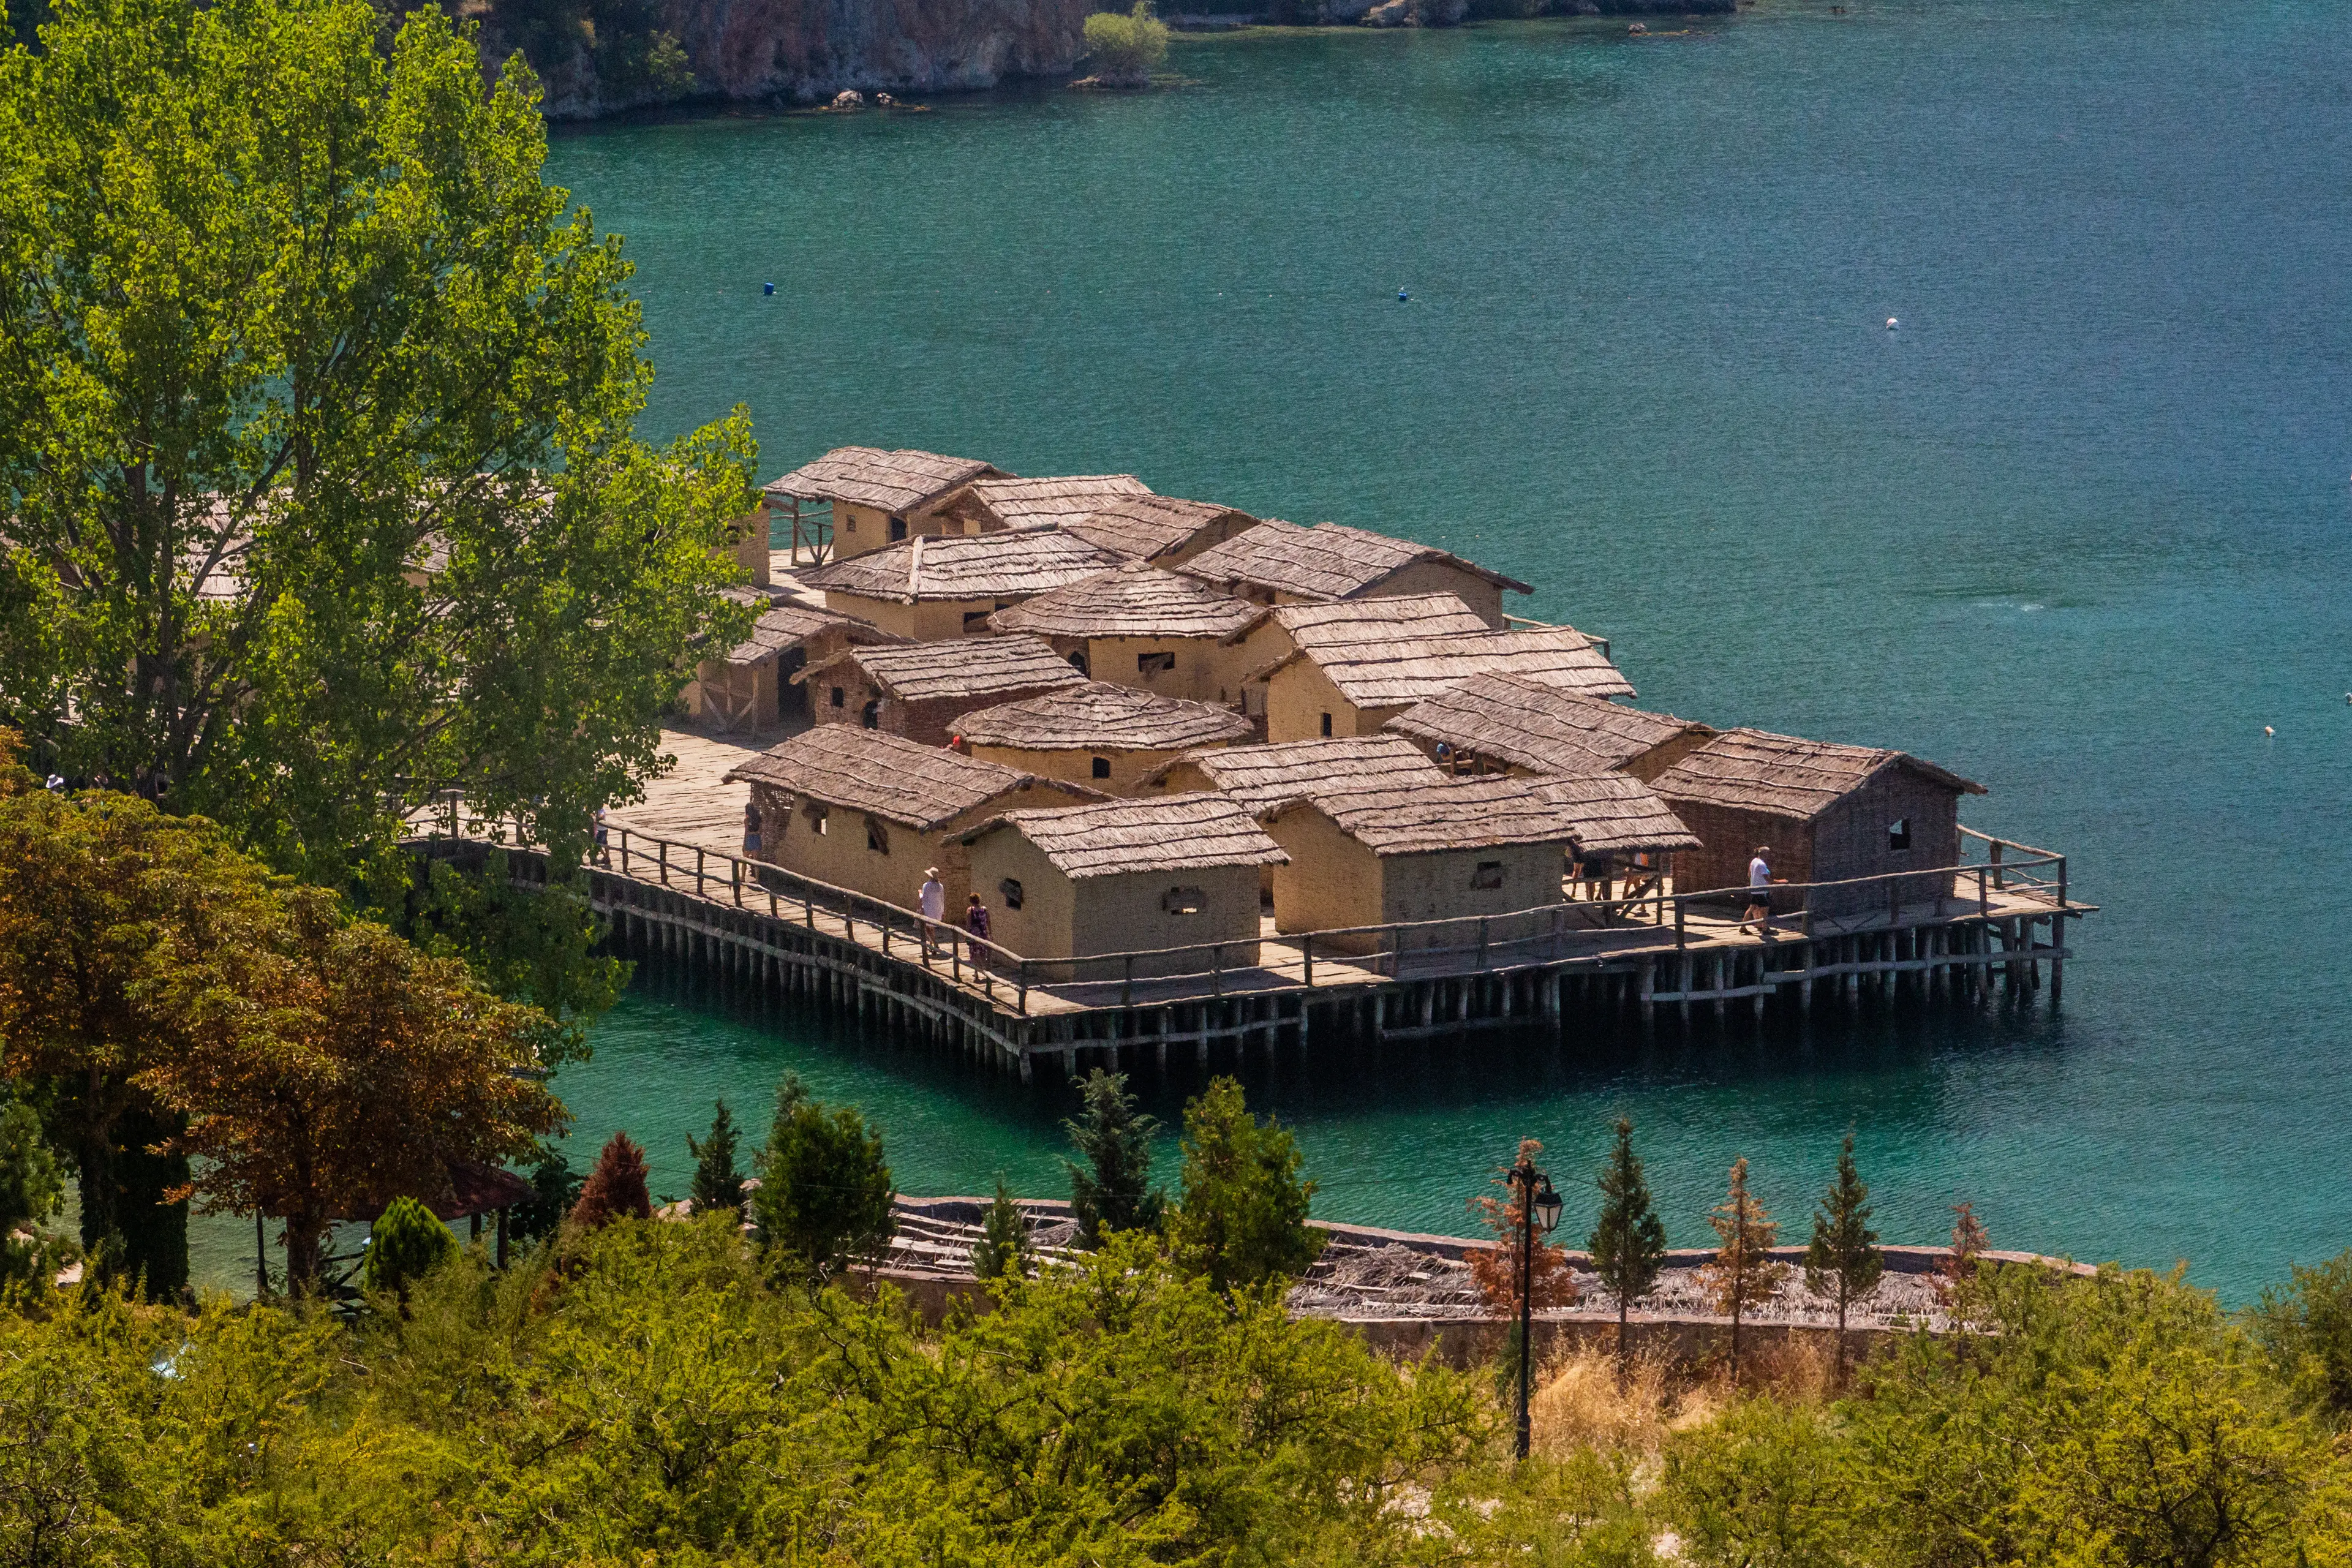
(1062, 768)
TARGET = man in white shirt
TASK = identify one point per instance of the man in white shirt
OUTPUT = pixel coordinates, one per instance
(933, 901)
(1760, 901)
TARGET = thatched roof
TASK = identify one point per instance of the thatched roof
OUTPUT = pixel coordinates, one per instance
(1383, 619)
(1615, 812)
(1328, 561)
(785, 627)
(925, 787)
(1135, 600)
(893, 482)
(974, 668)
(1459, 813)
(1753, 770)
(1180, 833)
(1260, 777)
(1524, 723)
(1148, 527)
(963, 567)
(1396, 674)
(1007, 503)
(1096, 716)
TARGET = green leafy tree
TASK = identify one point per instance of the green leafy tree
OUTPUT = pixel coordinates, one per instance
(717, 1184)
(1843, 1258)
(1003, 1245)
(825, 1195)
(615, 1187)
(554, 1188)
(404, 1245)
(32, 1187)
(2306, 1327)
(1629, 1241)
(1742, 1272)
(1242, 1220)
(1125, 48)
(316, 411)
(1112, 1191)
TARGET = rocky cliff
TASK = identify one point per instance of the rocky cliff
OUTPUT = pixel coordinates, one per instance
(805, 51)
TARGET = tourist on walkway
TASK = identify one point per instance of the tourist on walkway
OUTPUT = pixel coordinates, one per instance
(604, 852)
(750, 831)
(1759, 894)
(975, 919)
(934, 901)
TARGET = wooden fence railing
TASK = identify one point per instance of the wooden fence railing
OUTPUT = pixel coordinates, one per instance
(1399, 950)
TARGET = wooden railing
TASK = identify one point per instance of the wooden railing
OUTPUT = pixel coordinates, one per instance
(1464, 944)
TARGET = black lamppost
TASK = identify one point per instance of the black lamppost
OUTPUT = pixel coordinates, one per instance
(1539, 1206)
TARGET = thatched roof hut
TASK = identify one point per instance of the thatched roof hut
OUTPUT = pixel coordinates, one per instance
(1144, 628)
(1279, 562)
(871, 812)
(1108, 736)
(946, 586)
(1828, 812)
(873, 496)
(920, 690)
(1134, 876)
(1162, 529)
(995, 505)
(751, 686)
(1519, 722)
(1262, 777)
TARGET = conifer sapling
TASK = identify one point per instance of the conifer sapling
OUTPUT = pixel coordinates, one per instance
(1743, 1272)
(1958, 1269)
(1243, 1217)
(1843, 1256)
(405, 1244)
(615, 1189)
(824, 1194)
(1112, 1190)
(717, 1184)
(1003, 1245)
(1628, 1243)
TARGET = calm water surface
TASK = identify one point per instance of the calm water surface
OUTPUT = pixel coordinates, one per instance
(2078, 529)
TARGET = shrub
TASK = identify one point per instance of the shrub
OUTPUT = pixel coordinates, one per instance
(1003, 1245)
(824, 1189)
(1242, 1219)
(405, 1244)
(2306, 1329)
(1126, 47)
(615, 1189)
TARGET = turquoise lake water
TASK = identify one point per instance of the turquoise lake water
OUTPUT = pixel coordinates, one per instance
(2078, 529)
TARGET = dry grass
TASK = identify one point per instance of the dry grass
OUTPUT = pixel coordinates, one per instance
(1579, 1402)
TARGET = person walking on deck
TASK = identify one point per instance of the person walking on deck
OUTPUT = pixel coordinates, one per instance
(1759, 892)
(975, 921)
(750, 831)
(933, 901)
(604, 839)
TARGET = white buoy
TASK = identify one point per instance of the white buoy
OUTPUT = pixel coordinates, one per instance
(2268, 732)
(1892, 323)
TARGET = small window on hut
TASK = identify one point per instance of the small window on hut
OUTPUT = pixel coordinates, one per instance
(1154, 663)
(1102, 767)
(1488, 875)
(872, 716)
(1079, 662)
(898, 528)
(1898, 836)
(1011, 891)
(814, 811)
(975, 622)
(840, 697)
(1326, 725)
(1181, 900)
(878, 836)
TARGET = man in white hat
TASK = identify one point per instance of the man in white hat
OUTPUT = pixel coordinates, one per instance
(934, 902)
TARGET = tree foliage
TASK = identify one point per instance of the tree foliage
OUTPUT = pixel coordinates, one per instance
(717, 1184)
(1843, 1258)
(1003, 1245)
(1742, 1271)
(2305, 1326)
(31, 1188)
(615, 1187)
(824, 1192)
(316, 407)
(404, 1245)
(1242, 1219)
(1629, 1241)
(1496, 1270)
(1125, 47)
(1112, 1190)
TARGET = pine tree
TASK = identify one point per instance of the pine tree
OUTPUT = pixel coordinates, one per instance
(717, 1184)
(1494, 1270)
(1003, 1245)
(1743, 1272)
(1112, 1190)
(1628, 1243)
(1242, 1219)
(1958, 1269)
(404, 1246)
(824, 1194)
(1844, 1249)
(615, 1189)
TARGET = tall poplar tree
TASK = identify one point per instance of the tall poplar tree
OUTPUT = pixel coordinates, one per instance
(1843, 1256)
(316, 407)
(1743, 1272)
(1629, 1242)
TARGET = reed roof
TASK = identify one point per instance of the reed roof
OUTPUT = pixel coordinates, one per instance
(893, 482)
(1381, 620)
(1522, 722)
(1179, 833)
(1262, 777)
(1137, 600)
(1615, 812)
(1144, 528)
(1328, 561)
(974, 668)
(1097, 716)
(1458, 813)
(785, 627)
(925, 787)
(1397, 674)
(1045, 503)
(1754, 770)
(963, 567)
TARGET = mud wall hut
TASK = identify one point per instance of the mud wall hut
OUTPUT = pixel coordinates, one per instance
(855, 499)
(1514, 723)
(919, 691)
(1106, 737)
(1138, 626)
(930, 589)
(1279, 562)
